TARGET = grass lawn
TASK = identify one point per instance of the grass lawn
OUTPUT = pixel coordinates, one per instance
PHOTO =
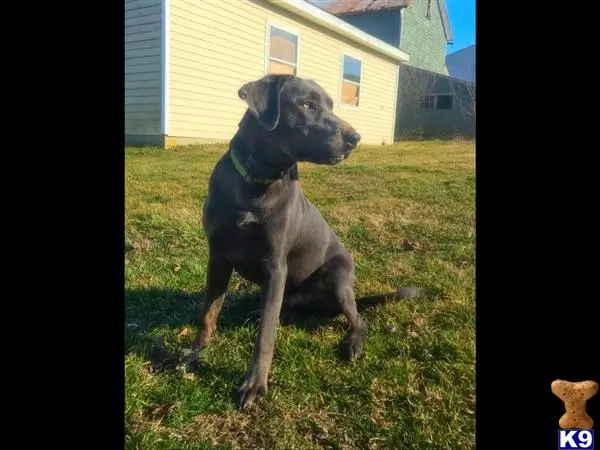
(413, 388)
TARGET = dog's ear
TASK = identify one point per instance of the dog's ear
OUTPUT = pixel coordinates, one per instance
(262, 97)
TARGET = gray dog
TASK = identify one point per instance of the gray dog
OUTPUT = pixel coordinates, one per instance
(258, 221)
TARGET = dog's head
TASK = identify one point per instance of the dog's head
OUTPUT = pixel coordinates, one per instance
(296, 115)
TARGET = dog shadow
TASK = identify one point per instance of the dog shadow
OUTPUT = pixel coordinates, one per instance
(152, 313)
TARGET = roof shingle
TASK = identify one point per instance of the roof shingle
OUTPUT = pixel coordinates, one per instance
(361, 6)
(341, 7)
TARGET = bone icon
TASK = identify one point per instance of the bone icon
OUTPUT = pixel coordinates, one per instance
(574, 396)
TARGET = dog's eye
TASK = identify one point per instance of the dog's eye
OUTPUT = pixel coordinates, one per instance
(307, 105)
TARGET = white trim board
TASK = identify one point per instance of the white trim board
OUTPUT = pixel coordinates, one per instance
(393, 138)
(165, 30)
(331, 22)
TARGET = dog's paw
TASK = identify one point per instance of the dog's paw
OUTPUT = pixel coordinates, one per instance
(188, 361)
(352, 346)
(201, 340)
(250, 390)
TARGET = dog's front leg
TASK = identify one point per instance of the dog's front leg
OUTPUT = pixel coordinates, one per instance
(271, 295)
(218, 277)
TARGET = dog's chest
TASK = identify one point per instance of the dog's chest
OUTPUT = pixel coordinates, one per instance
(241, 237)
(242, 240)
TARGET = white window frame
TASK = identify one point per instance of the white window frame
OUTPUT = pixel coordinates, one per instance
(269, 25)
(347, 105)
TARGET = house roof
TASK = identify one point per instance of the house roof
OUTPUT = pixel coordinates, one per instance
(445, 19)
(461, 63)
(361, 6)
(467, 49)
(323, 18)
(343, 7)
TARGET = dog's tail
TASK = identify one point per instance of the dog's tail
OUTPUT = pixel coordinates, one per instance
(371, 301)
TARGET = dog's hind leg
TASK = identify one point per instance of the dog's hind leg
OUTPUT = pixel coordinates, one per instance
(328, 293)
(218, 276)
(340, 274)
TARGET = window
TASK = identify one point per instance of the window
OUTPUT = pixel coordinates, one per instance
(283, 51)
(437, 101)
(428, 15)
(444, 102)
(351, 72)
(427, 101)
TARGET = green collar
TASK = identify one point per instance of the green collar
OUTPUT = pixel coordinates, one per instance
(243, 171)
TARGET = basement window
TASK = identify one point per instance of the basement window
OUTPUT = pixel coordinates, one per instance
(351, 73)
(437, 101)
(444, 102)
(282, 48)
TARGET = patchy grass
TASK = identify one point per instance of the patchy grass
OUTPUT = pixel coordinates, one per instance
(414, 388)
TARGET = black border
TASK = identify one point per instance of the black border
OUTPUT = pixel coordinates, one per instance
(535, 229)
(536, 226)
(71, 180)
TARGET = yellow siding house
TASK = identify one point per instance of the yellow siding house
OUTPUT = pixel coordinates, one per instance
(186, 59)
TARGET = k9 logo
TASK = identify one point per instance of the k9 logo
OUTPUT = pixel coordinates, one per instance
(568, 439)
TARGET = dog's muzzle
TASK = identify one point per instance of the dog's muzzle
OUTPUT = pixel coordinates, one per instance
(351, 140)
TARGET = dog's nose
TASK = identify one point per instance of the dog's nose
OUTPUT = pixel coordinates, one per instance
(353, 138)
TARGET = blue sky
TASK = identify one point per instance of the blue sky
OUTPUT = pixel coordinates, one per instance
(462, 20)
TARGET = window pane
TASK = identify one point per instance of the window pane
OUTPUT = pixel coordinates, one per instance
(351, 69)
(444, 102)
(284, 45)
(350, 93)
(281, 68)
(427, 101)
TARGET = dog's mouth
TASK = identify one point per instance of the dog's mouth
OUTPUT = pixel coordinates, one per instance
(330, 155)
(347, 150)
(343, 156)
(349, 146)
(336, 159)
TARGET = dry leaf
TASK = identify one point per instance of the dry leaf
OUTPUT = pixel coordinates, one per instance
(408, 246)
(184, 332)
(242, 285)
(141, 245)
